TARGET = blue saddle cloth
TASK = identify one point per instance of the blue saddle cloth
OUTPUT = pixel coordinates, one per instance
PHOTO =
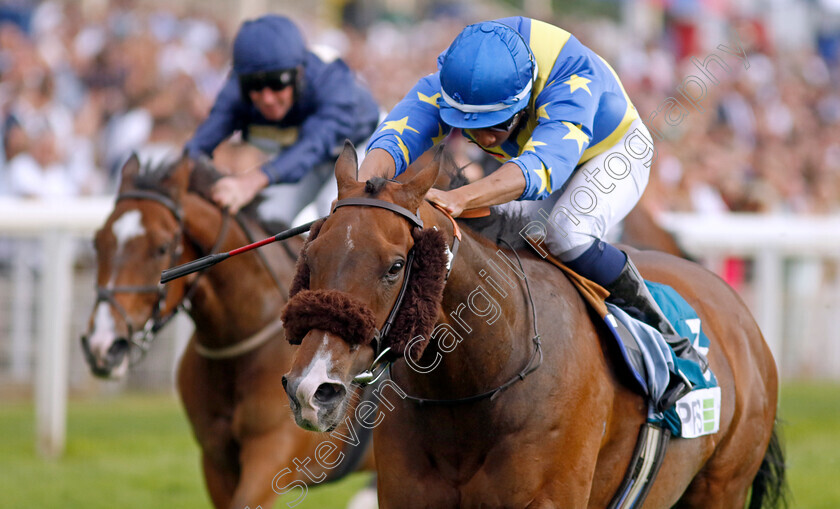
(651, 360)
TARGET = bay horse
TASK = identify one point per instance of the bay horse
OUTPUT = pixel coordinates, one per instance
(471, 418)
(229, 375)
(640, 230)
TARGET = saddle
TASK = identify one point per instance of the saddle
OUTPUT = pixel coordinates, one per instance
(649, 359)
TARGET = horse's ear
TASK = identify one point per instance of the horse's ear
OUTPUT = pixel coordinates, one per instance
(415, 189)
(129, 172)
(177, 181)
(346, 168)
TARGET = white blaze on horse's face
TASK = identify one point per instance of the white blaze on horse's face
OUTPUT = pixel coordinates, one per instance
(316, 375)
(102, 337)
(349, 240)
(127, 227)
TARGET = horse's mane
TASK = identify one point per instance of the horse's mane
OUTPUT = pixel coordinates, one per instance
(494, 227)
(451, 176)
(203, 176)
(451, 171)
(154, 171)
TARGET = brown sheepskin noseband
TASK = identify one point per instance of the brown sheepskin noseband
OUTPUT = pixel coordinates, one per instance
(331, 311)
(344, 316)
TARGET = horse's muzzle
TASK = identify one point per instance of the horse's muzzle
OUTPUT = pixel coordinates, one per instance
(103, 366)
(317, 410)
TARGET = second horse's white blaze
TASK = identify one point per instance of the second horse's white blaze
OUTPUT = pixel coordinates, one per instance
(127, 227)
(103, 333)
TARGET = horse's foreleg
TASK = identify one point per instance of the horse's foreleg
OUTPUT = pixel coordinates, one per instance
(220, 481)
(262, 459)
(206, 407)
(221, 472)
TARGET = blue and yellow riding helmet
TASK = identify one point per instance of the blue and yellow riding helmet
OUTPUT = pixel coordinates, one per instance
(486, 76)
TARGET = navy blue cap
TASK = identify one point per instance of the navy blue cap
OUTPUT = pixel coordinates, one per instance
(269, 43)
(486, 76)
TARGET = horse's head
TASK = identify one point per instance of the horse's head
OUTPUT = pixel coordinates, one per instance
(350, 277)
(141, 237)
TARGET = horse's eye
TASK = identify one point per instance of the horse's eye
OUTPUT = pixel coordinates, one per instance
(396, 268)
(162, 250)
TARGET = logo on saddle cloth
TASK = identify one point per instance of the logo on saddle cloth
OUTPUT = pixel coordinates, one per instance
(699, 412)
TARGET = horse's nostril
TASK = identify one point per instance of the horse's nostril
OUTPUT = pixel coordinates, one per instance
(292, 399)
(329, 392)
(118, 349)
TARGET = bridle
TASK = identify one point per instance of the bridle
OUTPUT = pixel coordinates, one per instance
(380, 363)
(142, 337)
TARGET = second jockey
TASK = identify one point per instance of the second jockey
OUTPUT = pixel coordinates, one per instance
(293, 104)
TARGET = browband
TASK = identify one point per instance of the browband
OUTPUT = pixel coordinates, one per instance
(373, 202)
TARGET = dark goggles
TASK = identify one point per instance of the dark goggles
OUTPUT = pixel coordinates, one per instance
(275, 80)
(508, 124)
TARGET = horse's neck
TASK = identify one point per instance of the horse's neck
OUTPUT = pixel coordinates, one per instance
(237, 297)
(485, 307)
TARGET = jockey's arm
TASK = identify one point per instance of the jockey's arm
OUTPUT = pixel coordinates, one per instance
(504, 185)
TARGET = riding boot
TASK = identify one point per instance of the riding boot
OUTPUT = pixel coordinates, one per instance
(630, 293)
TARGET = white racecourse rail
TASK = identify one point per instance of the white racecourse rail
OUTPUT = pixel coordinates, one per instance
(796, 280)
(770, 240)
(56, 223)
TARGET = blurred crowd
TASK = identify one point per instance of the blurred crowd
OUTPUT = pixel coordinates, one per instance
(764, 139)
(79, 91)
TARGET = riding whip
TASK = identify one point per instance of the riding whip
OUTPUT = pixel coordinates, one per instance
(210, 260)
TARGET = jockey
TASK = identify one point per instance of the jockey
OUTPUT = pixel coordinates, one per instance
(576, 155)
(293, 104)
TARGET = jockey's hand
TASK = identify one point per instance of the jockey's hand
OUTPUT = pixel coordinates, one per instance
(236, 191)
(451, 201)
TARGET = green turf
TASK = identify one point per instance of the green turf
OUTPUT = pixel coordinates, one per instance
(137, 452)
(126, 452)
(810, 416)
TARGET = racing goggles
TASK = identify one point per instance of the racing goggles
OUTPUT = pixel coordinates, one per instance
(507, 125)
(275, 80)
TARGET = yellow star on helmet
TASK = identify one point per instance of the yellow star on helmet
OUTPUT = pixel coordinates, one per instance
(429, 99)
(398, 125)
(576, 134)
(531, 145)
(576, 82)
(545, 178)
